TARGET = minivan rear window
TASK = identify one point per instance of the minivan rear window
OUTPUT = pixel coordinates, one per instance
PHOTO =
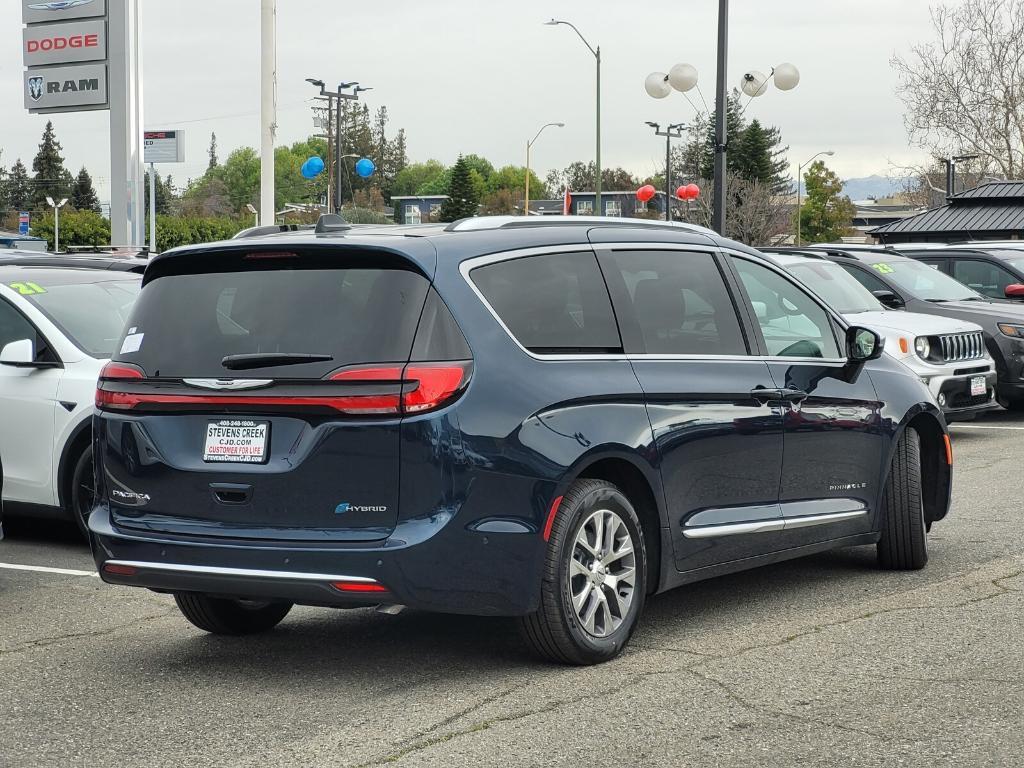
(185, 325)
(555, 303)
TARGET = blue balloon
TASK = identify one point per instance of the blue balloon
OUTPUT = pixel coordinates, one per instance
(365, 167)
(312, 167)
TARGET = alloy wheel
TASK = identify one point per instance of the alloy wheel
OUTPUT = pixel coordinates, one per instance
(602, 573)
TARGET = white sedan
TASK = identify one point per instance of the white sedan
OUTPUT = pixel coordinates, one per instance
(58, 326)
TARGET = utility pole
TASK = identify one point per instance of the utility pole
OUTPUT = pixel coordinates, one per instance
(721, 110)
(326, 121)
(268, 108)
(335, 98)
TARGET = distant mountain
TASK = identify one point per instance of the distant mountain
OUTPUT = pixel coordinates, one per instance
(873, 187)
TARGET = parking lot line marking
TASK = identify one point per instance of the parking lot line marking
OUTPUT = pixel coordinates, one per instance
(981, 426)
(46, 569)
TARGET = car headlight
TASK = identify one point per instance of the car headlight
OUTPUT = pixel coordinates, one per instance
(923, 347)
(1008, 329)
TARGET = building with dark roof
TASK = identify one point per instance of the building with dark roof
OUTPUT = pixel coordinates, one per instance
(990, 211)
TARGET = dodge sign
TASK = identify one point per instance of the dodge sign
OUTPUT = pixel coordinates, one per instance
(36, 11)
(65, 43)
(83, 86)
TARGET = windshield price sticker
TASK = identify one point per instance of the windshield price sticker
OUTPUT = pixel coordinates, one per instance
(883, 268)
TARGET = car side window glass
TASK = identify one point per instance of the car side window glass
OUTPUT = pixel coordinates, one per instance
(552, 303)
(868, 280)
(680, 302)
(793, 324)
(14, 326)
(984, 277)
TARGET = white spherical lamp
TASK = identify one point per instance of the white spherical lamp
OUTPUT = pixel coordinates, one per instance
(786, 77)
(754, 83)
(657, 86)
(682, 77)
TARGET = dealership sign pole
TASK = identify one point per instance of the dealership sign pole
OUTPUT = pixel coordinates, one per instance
(84, 55)
(160, 147)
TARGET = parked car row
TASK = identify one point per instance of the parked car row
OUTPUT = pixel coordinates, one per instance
(548, 419)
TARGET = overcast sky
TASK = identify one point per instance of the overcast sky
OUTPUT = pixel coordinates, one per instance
(482, 76)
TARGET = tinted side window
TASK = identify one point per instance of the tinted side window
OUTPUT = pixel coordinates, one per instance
(984, 277)
(555, 303)
(866, 279)
(680, 303)
(438, 336)
(14, 327)
(793, 324)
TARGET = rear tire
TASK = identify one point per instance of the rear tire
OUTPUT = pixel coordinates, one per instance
(82, 492)
(904, 546)
(594, 578)
(222, 616)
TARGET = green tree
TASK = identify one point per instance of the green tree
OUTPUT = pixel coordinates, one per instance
(241, 176)
(76, 228)
(83, 194)
(479, 164)
(826, 214)
(414, 178)
(51, 178)
(513, 178)
(211, 153)
(19, 187)
(163, 203)
(463, 194)
(753, 159)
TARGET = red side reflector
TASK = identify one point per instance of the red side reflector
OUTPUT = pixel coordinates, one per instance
(949, 450)
(120, 570)
(358, 586)
(551, 517)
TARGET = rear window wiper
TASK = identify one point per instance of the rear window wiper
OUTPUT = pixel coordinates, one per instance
(271, 359)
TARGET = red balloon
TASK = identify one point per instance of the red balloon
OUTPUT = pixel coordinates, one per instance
(682, 192)
(645, 193)
(693, 191)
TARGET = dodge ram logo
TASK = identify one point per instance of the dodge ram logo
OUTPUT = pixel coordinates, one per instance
(35, 88)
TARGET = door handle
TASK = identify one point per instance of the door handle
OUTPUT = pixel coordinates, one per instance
(792, 395)
(764, 395)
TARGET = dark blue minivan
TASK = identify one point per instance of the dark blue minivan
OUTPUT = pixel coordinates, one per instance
(547, 419)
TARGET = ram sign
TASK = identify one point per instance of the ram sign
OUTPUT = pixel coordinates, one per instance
(82, 87)
(65, 43)
(41, 11)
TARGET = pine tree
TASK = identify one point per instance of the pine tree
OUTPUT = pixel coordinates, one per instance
(4, 201)
(734, 127)
(463, 197)
(212, 153)
(826, 214)
(19, 188)
(51, 178)
(752, 155)
(83, 194)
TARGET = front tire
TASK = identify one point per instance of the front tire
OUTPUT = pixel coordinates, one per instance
(904, 545)
(594, 578)
(222, 616)
(82, 495)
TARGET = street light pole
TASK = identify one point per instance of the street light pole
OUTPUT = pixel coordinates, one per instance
(672, 131)
(799, 188)
(598, 208)
(529, 144)
(340, 96)
(721, 104)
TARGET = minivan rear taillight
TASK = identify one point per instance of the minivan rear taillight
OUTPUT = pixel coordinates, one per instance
(377, 390)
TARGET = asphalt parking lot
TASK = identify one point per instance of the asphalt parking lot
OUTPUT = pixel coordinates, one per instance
(819, 661)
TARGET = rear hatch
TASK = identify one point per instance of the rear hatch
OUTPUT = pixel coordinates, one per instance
(259, 395)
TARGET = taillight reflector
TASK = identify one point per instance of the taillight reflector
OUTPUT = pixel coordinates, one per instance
(358, 586)
(438, 382)
(114, 370)
(120, 570)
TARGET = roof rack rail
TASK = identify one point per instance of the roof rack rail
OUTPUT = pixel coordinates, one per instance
(266, 229)
(478, 223)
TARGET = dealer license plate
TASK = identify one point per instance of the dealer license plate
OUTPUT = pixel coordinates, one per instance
(978, 386)
(236, 440)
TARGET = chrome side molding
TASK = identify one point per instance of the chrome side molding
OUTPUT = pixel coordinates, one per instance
(765, 526)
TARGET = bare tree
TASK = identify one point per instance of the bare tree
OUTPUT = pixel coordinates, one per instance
(964, 92)
(755, 215)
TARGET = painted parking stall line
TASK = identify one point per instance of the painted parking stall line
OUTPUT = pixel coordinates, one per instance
(47, 569)
(984, 426)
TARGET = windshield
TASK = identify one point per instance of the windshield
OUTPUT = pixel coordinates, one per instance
(91, 315)
(1013, 258)
(923, 281)
(837, 287)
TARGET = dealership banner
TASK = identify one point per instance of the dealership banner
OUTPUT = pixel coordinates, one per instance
(37, 11)
(66, 43)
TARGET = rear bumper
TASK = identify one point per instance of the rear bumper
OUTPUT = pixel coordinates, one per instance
(442, 568)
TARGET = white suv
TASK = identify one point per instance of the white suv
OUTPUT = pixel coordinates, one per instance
(58, 326)
(948, 355)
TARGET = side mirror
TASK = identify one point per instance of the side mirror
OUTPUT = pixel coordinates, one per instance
(20, 354)
(863, 344)
(1014, 291)
(890, 299)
